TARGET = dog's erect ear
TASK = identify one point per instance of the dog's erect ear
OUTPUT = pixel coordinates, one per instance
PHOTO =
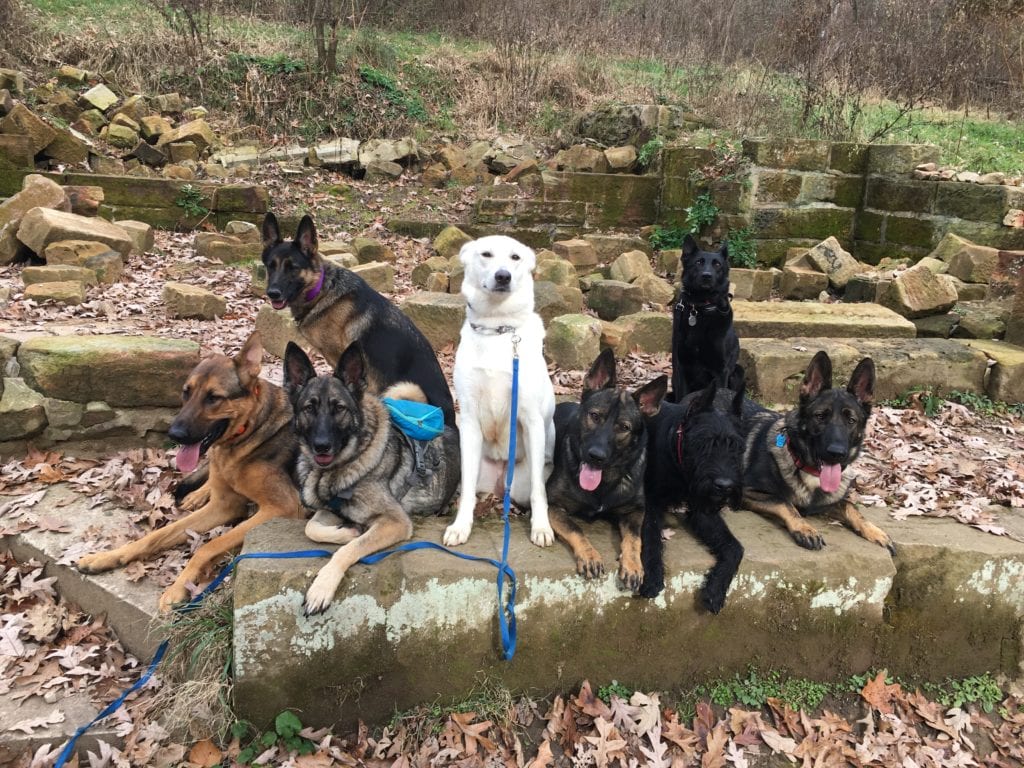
(704, 400)
(352, 369)
(725, 250)
(650, 395)
(601, 373)
(298, 369)
(271, 231)
(818, 377)
(862, 382)
(690, 246)
(305, 235)
(249, 360)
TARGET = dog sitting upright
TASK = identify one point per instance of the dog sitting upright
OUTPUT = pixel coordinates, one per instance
(359, 474)
(600, 459)
(695, 457)
(500, 322)
(334, 307)
(705, 347)
(795, 463)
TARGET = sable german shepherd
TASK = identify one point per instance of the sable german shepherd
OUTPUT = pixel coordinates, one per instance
(334, 307)
(361, 476)
(244, 424)
(794, 463)
(600, 459)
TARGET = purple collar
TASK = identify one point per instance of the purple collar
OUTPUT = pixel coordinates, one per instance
(313, 292)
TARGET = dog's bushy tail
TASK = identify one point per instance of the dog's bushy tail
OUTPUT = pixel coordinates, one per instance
(405, 390)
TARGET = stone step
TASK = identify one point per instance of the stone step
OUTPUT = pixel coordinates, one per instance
(422, 626)
(129, 607)
(775, 367)
(785, 319)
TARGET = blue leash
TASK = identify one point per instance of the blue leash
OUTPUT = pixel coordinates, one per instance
(506, 615)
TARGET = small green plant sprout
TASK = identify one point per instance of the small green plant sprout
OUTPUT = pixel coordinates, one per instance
(614, 688)
(286, 734)
(190, 200)
(701, 214)
(663, 238)
(742, 251)
(649, 151)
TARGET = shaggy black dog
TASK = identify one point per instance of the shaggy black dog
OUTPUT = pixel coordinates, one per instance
(695, 456)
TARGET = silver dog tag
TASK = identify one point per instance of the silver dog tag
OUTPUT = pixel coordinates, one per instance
(693, 320)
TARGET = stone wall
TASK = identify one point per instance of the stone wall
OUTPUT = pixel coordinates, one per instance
(154, 200)
(89, 387)
(792, 193)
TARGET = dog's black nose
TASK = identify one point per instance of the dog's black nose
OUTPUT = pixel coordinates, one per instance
(274, 294)
(836, 453)
(321, 446)
(178, 434)
(502, 277)
(724, 484)
(597, 453)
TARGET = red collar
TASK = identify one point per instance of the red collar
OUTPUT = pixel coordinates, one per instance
(800, 465)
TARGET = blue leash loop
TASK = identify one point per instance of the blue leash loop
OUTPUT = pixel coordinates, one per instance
(506, 614)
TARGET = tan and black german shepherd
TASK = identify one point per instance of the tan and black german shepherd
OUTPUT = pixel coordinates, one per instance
(243, 423)
(359, 475)
(334, 307)
(795, 463)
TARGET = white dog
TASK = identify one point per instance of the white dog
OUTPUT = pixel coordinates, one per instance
(498, 286)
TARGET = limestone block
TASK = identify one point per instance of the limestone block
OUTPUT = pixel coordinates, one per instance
(801, 283)
(439, 316)
(276, 328)
(573, 341)
(140, 232)
(23, 122)
(64, 292)
(918, 292)
(42, 226)
(557, 271)
(58, 274)
(378, 275)
(631, 266)
(449, 240)
(369, 250)
(611, 299)
(550, 300)
(183, 300)
(22, 411)
(831, 258)
(580, 253)
(655, 290)
(751, 284)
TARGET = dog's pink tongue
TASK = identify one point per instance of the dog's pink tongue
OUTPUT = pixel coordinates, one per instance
(831, 475)
(187, 457)
(590, 477)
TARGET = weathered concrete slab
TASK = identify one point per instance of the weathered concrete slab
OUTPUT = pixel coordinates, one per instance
(77, 710)
(422, 625)
(129, 607)
(785, 319)
(775, 367)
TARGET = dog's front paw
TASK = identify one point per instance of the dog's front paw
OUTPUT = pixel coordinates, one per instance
(457, 533)
(713, 597)
(542, 536)
(808, 537)
(98, 562)
(590, 566)
(174, 594)
(651, 588)
(876, 535)
(321, 592)
(632, 577)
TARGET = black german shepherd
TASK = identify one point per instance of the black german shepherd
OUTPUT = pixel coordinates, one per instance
(599, 464)
(360, 475)
(795, 462)
(334, 307)
(695, 457)
(705, 347)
